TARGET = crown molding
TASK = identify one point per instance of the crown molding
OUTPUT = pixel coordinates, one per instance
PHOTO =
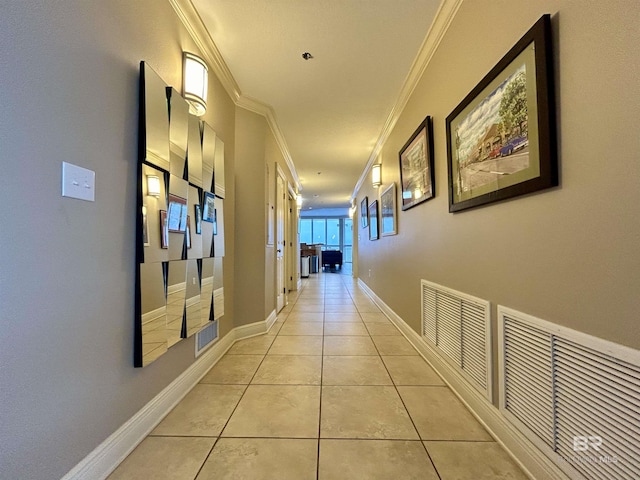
(256, 106)
(441, 22)
(198, 31)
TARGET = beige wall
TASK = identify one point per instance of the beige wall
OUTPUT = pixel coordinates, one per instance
(568, 255)
(251, 130)
(69, 72)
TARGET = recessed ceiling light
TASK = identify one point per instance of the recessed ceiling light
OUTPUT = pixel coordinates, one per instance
(316, 196)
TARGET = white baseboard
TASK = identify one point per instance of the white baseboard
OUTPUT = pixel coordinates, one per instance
(104, 459)
(532, 461)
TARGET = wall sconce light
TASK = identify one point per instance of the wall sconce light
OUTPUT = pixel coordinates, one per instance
(299, 201)
(195, 81)
(153, 185)
(376, 175)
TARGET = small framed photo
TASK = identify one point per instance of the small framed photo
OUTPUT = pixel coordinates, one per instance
(388, 211)
(374, 234)
(177, 214)
(188, 232)
(417, 178)
(198, 216)
(364, 212)
(164, 230)
(209, 207)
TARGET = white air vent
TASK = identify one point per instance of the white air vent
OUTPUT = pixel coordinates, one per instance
(576, 396)
(457, 326)
(207, 336)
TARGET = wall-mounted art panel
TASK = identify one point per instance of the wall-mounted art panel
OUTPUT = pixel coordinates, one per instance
(194, 152)
(154, 118)
(206, 290)
(178, 131)
(219, 169)
(152, 205)
(208, 156)
(153, 322)
(218, 228)
(208, 218)
(218, 289)
(176, 297)
(194, 320)
(177, 212)
(194, 224)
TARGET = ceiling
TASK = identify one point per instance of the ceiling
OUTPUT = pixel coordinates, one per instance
(332, 108)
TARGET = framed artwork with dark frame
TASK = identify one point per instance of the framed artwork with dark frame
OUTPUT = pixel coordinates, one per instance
(145, 228)
(164, 230)
(388, 221)
(374, 233)
(198, 215)
(501, 139)
(364, 212)
(417, 178)
(209, 207)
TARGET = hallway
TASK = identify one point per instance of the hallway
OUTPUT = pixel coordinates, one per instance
(333, 391)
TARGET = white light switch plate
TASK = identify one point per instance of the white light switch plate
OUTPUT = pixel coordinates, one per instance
(78, 182)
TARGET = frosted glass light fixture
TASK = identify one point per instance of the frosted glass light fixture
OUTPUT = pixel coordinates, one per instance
(195, 82)
(153, 185)
(299, 201)
(376, 175)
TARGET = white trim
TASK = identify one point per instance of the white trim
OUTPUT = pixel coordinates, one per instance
(176, 288)
(193, 301)
(106, 457)
(153, 314)
(440, 25)
(532, 461)
(193, 23)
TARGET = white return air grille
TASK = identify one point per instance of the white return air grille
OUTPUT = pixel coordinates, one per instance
(575, 396)
(207, 336)
(457, 326)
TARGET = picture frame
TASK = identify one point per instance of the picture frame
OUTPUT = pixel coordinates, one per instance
(164, 230)
(388, 221)
(177, 214)
(501, 139)
(374, 233)
(188, 232)
(146, 241)
(417, 177)
(198, 217)
(209, 207)
(364, 212)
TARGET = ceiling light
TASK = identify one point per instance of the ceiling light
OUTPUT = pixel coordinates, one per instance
(376, 175)
(195, 83)
(299, 201)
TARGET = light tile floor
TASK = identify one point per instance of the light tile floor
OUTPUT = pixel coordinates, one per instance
(333, 391)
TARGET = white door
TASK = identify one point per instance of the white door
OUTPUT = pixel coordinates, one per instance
(280, 241)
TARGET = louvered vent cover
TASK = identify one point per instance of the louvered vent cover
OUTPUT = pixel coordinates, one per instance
(576, 394)
(206, 337)
(457, 326)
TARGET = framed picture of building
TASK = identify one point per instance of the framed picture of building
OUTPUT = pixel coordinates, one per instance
(374, 233)
(388, 222)
(417, 178)
(364, 212)
(501, 139)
